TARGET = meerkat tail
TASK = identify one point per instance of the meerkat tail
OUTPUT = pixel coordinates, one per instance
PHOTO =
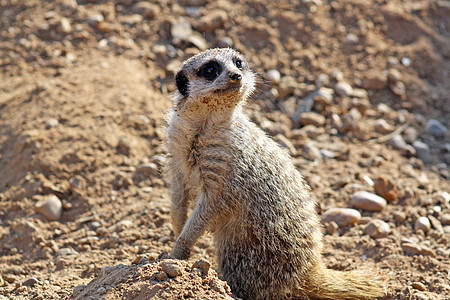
(343, 285)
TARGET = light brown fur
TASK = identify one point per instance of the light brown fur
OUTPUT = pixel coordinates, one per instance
(244, 189)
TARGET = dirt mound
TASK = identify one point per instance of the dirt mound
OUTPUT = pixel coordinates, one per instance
(357, 91)
(160, 279)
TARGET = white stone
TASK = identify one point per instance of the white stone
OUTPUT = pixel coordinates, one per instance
(422, 223)
(368, 201)
(50, 207)
(342, 216)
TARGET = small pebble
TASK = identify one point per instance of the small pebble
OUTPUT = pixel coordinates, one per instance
(343, 89)
(285, 143)
(394, 75)
(148, 168)
(225, 42)
(377, 229)
(375, 82)
(398, 142)
(146, 9)
(311, 118)
(410, 134)
(422, 223)
(30, 282)
(352, 38)
(273, 76)
(342, 216)
(386, 189)
(406, 61)
(203, 265)
(445, 219)
(171, 268)
(52, 122)
(331, 228)
(311, 152)
(337, 75)
(422, 151)
(435, 128)
(161, 276)
(368, 201)
(382, 126)
(399, 216)
(414, 249)
(436, 224)
(49, 206)
(419, 286)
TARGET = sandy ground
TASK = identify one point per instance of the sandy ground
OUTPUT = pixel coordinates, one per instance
(84, 88)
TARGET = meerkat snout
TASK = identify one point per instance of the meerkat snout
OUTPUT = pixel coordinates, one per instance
(235, 77)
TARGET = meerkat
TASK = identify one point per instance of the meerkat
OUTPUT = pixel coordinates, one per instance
(244, 188)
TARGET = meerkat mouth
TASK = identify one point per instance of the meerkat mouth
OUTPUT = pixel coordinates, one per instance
(228, 89)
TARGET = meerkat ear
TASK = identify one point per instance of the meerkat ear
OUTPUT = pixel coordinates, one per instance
(182, 83)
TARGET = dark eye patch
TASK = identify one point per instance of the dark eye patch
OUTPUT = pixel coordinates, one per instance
(210, 71)
(182, 83)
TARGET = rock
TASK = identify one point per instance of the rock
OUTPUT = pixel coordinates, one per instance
(422, 151)
(414, 249)
(342, 216)
(311, 118)
(331, 228)
(397, 142)
(394, 75)
(30, 282)
(148, 168)
(273, 76)
(172, 268)
(322, 80)
(202, 265)
(285, 143)
(436, 224)
(49, 206)
(382, 126)
(323, 99)
(64, 26)
(398, 88)
(146, 9)
(226, 42)
(368, 201)
(445, 219)
(325, 153)
(422, 223)
(274, 128)
(435, 128)
(212, 20)
(52, 122)
(352, 38)
(337, 75)
(377, 229)
(399, 216)
(410, 135)
(375, 82)
(419, 286)
(311, 152)
(181, 30)
(343, 89)
(386, 189)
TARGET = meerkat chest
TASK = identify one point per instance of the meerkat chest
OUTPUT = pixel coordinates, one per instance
(203, 156)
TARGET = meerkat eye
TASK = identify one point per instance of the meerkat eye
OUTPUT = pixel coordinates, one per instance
(239, 64)
(210, 70)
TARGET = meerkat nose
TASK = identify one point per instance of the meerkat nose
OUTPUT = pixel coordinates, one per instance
(234, 77)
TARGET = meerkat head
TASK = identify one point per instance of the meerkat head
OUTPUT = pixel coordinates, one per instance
(214, 80)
